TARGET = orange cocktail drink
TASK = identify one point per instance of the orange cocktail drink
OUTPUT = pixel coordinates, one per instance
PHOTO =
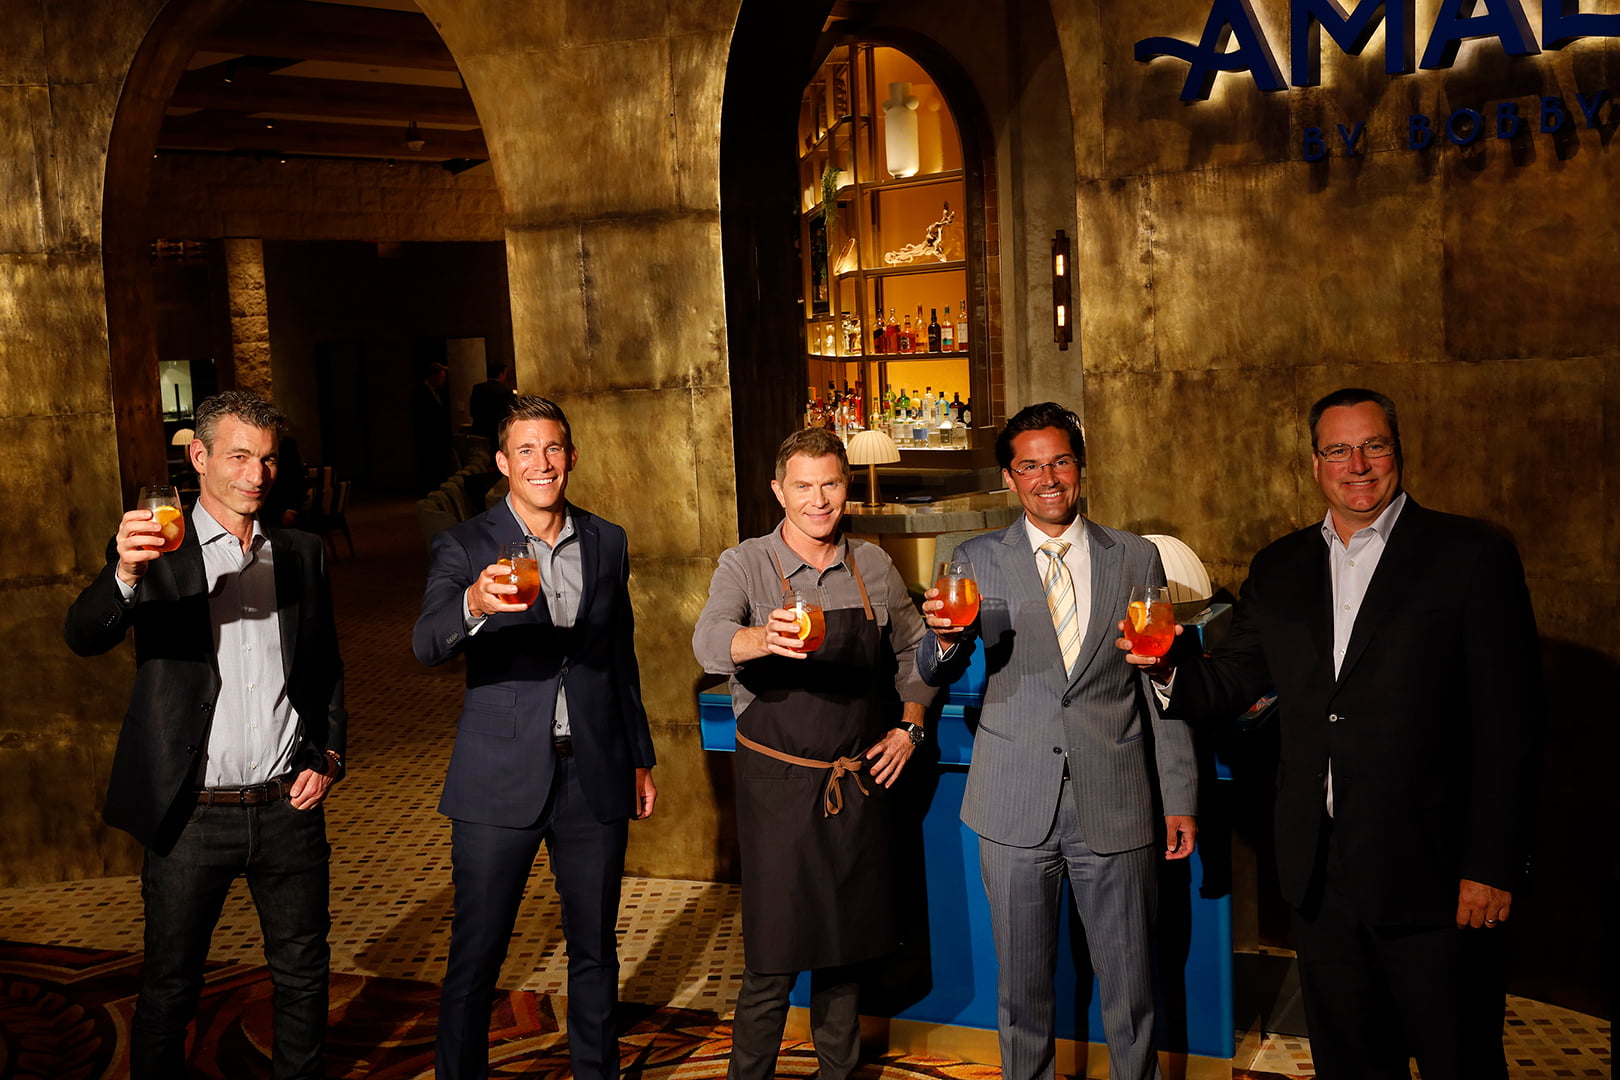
(959, 600)
(164, 503)
(523, 571)
(812, 623)
(1150, 620)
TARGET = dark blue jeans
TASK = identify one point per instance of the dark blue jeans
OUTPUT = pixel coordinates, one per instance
(284, 855)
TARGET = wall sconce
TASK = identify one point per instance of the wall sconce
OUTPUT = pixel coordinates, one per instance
(872, 448)
(413, 138)
(1062, 294)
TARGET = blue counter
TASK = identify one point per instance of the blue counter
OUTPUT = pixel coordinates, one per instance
(945, 972)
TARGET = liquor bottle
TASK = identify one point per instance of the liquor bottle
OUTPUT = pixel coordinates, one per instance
(962, 328)
(947, 333)
(919, 428)
(956, 408)
(812, 409)
(900, 426)
(928, 403)
(933, 328)
(859, 401)
(891, 334)
(908, 337)
(878, 336)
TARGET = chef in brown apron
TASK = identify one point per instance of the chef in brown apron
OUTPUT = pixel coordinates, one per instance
(821, 736)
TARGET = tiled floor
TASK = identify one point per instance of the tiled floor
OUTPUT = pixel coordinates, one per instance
(391, 896)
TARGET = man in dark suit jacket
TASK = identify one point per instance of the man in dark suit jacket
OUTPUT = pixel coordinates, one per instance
(552, 744)
(1403, 650)
(234, 735)
(1074, 770)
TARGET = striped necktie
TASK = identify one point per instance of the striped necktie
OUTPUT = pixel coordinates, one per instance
(1060, 602)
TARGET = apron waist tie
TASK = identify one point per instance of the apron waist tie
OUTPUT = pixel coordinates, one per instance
(833, 796)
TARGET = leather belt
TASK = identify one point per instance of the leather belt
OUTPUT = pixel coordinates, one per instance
(563, 745)
(833, 796)
(271, 791)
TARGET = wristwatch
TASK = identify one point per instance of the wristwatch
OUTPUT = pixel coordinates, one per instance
(915, 733)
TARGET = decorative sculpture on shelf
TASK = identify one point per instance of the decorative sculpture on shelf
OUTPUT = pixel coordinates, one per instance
(933, 243)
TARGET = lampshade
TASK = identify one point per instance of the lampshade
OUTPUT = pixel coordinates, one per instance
(1190, 587)
(183, 437)
(872, 448)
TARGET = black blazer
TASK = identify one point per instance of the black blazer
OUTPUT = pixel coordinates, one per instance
(1432, 723)
(503, 761)
(177, 674)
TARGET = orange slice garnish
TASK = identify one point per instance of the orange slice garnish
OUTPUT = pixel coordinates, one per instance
(1139, 615)
(804, 625)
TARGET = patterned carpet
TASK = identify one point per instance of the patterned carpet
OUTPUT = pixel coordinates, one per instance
(64, 1015)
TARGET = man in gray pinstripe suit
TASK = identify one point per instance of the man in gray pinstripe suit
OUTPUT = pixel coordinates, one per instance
(1074, 770)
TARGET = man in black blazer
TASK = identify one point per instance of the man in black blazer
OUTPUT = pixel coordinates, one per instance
(552, 744)
(234, 735)
(1403, 650)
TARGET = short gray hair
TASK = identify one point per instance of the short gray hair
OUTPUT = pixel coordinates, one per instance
(251, 409)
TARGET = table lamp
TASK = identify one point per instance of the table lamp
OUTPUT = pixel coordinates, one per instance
(1190, 587)
(872, 448)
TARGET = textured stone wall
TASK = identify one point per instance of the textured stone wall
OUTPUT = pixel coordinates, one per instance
(61, 66)
(603, 128)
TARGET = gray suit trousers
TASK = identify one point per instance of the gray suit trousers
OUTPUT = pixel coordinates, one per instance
(1115, 894)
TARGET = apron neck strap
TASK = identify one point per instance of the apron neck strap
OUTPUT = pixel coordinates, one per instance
(854, 569)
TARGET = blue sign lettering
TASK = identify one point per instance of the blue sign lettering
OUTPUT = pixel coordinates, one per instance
(1589, 108)
(1314, 149)
(1456, 21)
(1456, 24)
(1553, 115)
(1562, 22)
(1228, 19)
(1351, 136)
(1351, 32)
(1508, 121)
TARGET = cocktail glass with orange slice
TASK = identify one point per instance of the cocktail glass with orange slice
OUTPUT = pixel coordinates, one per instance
(164, 502)
(1150, 620)
(958, 593)
(812, 622)
(525, 571)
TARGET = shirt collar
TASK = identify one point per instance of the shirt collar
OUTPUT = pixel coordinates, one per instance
(567, 527)
(792, 561)
(208, 530)
(1381, 525)
(1075, 534)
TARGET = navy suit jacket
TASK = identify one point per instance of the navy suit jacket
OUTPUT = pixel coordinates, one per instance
(177, 674)
(503, 762)
(1431, 723)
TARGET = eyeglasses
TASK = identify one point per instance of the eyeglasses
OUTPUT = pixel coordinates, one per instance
(1372, 448)
(1032, 468)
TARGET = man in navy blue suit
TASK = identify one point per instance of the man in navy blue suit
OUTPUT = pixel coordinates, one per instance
(552, 743)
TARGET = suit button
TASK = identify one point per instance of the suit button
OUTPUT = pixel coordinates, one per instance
(1057, 749)
(564, 671)
(1333, 718)
(193, 748)
(207, 706)
(1065, 701)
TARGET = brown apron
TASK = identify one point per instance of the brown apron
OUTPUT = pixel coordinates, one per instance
(815, 836)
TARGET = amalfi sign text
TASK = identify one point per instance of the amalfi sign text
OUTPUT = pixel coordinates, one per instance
(1232, 26)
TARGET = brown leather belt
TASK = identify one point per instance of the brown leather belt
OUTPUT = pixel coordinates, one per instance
(833, 796)
(271, 791)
